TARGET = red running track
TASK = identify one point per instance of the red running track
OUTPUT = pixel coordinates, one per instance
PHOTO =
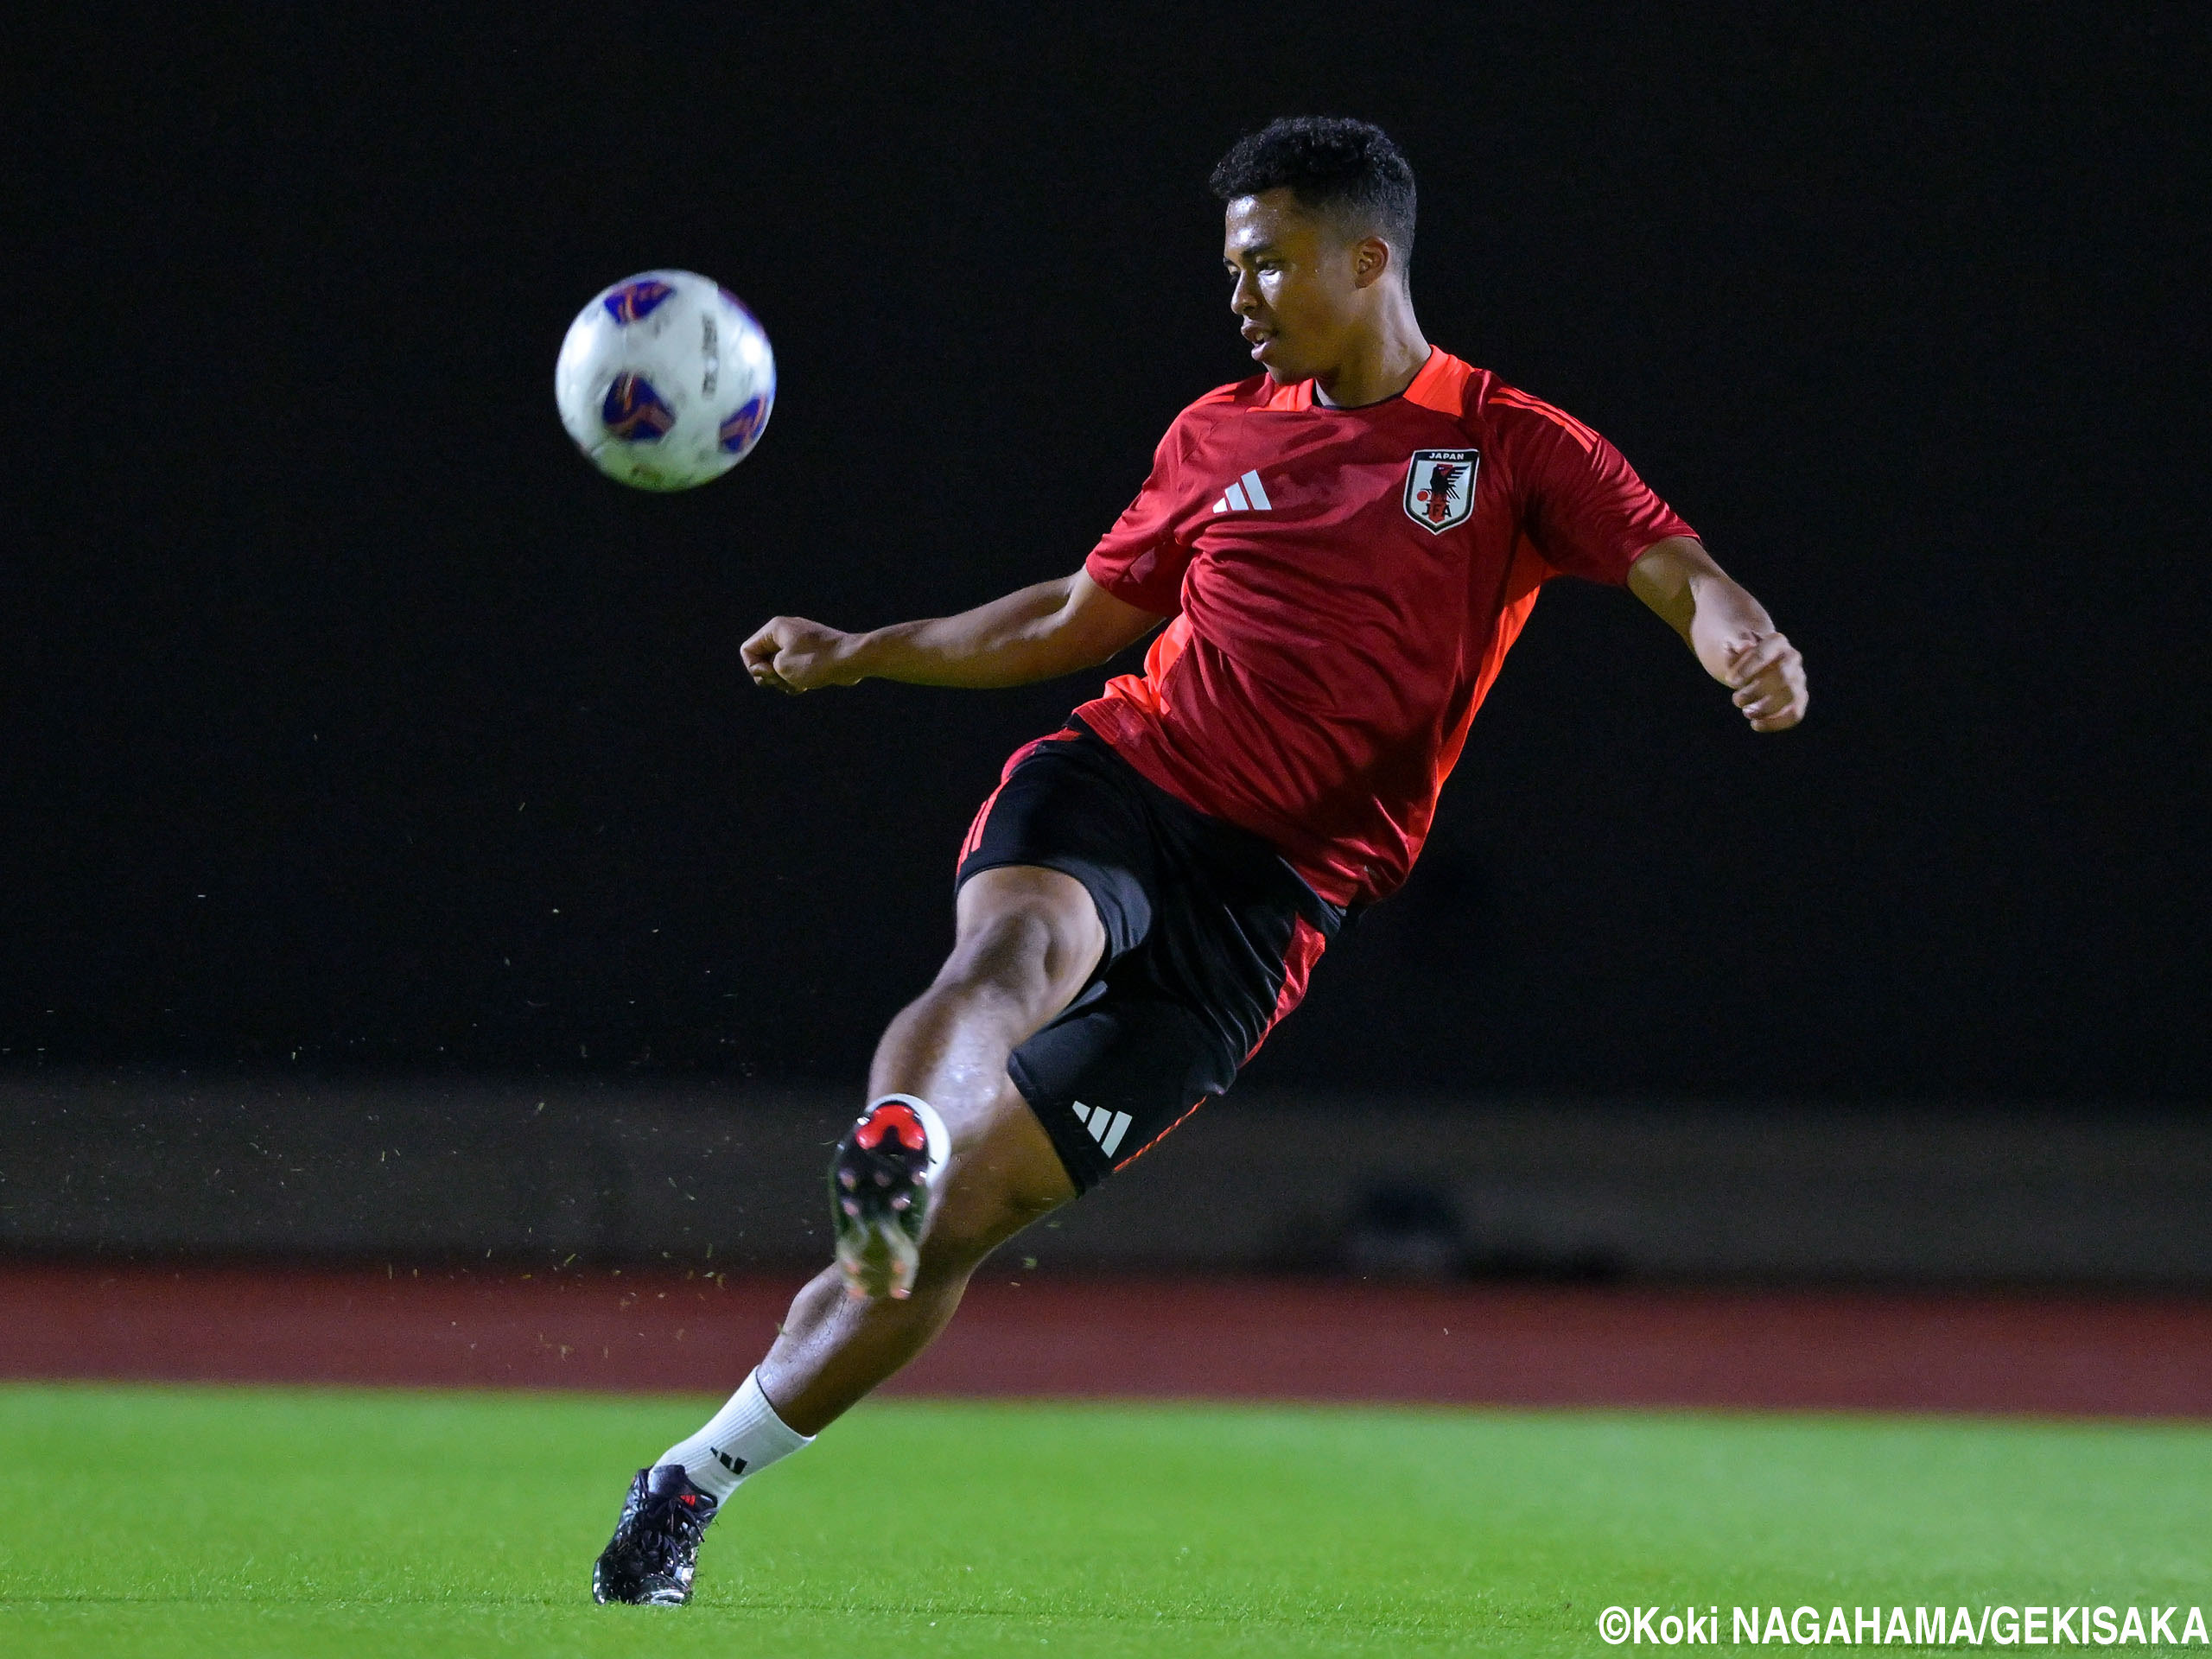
(1258, 1338)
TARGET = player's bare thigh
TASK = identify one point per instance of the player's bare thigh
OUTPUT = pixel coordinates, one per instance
(1028, 939)
(1036, 926)
(1003, 1174)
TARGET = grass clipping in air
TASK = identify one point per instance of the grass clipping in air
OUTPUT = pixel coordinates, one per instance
(244, 1522)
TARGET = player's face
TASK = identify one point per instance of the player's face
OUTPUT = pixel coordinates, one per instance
(1298, 291)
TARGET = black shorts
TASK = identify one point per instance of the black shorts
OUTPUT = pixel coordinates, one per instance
(1209, 937)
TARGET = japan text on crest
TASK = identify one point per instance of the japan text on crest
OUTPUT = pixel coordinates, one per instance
(1440, 488)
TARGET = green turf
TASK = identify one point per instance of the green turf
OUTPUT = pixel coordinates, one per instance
(203, 1521)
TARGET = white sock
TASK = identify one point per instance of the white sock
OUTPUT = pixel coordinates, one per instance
(737, 1442)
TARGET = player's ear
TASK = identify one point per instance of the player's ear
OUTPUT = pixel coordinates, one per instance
(1371, 261)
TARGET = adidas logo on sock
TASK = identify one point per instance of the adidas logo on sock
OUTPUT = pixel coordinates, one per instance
(1106, 1127)
(1245, 495)
(735, 1465)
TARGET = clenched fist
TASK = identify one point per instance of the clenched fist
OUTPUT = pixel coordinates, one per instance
(791, 654)
(1767, 678)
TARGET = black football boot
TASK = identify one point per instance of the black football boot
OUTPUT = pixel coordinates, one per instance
(656, 1543)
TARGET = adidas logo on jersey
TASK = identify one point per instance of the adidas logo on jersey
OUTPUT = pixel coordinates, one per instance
(1107, 1127)
(1247, 494)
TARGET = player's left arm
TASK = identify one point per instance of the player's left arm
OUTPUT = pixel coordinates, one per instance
(1733, 636)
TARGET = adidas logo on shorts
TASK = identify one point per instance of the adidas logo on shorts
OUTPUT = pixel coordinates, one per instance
(1106, 1127)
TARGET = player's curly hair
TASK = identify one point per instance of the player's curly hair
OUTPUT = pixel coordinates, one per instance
(1333, 165)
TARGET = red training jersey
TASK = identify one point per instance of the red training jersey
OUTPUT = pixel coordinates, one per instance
(1343, 585)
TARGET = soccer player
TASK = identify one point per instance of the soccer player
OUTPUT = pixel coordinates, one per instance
(1343, 547)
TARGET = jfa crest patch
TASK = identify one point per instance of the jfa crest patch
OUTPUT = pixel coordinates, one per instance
(1440, 488)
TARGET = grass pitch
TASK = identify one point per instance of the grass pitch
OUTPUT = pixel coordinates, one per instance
(247, 1521)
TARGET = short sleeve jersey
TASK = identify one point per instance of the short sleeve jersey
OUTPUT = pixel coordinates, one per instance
(1343, 585)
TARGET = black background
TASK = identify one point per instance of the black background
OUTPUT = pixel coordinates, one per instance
(351, 720)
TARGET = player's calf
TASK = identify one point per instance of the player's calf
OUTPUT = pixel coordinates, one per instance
(883, 1183)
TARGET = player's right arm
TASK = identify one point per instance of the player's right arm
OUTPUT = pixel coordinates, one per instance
(1037, 633)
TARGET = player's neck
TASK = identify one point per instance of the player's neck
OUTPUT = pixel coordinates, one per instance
(1380, 362)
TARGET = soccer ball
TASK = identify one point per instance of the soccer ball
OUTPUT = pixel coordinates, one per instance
(665, 380)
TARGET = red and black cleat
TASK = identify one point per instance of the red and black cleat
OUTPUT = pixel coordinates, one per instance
(656, 1543)
(879, 1193)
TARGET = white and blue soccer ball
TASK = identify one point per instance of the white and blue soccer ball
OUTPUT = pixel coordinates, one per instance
(665, 380)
